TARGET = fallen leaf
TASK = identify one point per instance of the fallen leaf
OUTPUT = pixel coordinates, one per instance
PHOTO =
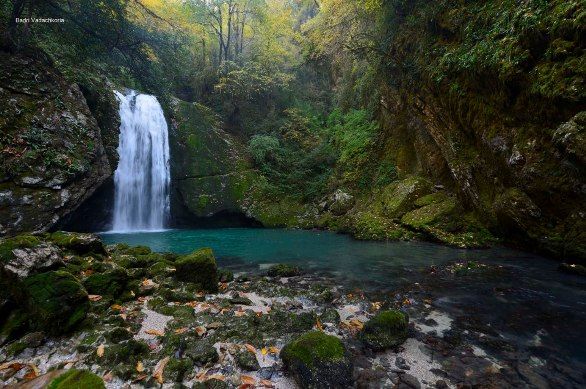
(264, 351)
(116, 307)
(247, 380)
(214, 325)
(147, 282)
(159, 369)
(35, 369)
(356, 323)
(94, 297)
(181, 330)
(12, 365)
(267, 384)
(108, 376)
(100, 350)
(140, 377)
(318, 325)
(123, 316)
(200, 330)
(273, 350)
(154, 332)
(139, 367)
(250, 348)
(239, 313)
(216, 377)
(141, 299)
(223, 286)
(201, 376)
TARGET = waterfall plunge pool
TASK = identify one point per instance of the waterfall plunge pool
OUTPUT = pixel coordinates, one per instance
(520, 295)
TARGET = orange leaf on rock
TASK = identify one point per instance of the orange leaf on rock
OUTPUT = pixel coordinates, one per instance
(250, 348)
(116, 307)
(247, 380)
(267, 384)
(181, 330)
(154, 332)
(200, 330)
(159, 369)
(100, 350)
(139, 367)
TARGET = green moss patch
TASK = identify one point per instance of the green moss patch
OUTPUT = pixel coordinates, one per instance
(199, 267)
(77, 379)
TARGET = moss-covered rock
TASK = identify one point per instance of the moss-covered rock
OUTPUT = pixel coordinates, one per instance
(247, 360)
(78, 243)
(212, 383)
(176, 369)
(55, 301)
(110, 283)
(429, 214)
(201, 352)
(283, 270)
(25, 255)
(317, 360)
(22, 241)
(77, 379)
(385, 330)
(199, 267)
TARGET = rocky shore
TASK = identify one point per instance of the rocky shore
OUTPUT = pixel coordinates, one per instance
(76, 313)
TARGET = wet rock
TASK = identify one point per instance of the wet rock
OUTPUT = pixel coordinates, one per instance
(283, 270)
(385, 330)
(55, 301)
(78, 243)
(572, 269)
(201, 352)
(33, 339)
(247, 361)
(401, 363)
(317, 360)
(25, 255)
(210, 384)
(225, 275)
(330, 315)
(128, 352)
(340, 202)
(370, 378)
(176, 369)
(240, 300)
(118, 334)
(407, 381)
(266, 373)
(110, 283)
(77, 379)
(441, 384)
(199, 267)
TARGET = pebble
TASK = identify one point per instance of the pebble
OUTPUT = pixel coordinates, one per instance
(401, 363)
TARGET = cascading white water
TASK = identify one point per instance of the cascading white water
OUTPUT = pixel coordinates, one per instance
(141, 181)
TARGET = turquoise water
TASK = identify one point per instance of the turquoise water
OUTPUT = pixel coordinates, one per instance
(529, 298)
(381, 264)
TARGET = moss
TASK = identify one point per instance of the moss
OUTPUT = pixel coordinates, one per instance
(385, 330)
(111, 283)
(56, 301)
(199, 267)
(14, 325)
(225, 275)
(78, 243)
(431, 198)
(176, 369)
(77, 379)
(247, 360)
(314, 347)
(317, 360)
(428, 214)
(211, 384)
(128, 352)
(15, 348)
(117, 335)
(161, 268)
(201, 352)
(20, 241)
(283, 270)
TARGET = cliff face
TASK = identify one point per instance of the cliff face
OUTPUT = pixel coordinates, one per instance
(497, 116)
(52, 155)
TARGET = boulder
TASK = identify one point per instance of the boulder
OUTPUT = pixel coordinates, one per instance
(25, 255)
(199, 267)
(247, 360)
(77, 379)
(317, 360)
(79, 243)
(340, 202)
(55, 301)
(110, 283)
(283, 270)
(386, 330)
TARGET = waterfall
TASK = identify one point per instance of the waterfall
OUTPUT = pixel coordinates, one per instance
(141, 181)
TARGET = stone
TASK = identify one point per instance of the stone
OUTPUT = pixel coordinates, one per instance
(110, 283)
(317, 360)
(77, 379)
(201, 352)
(330, 315)
(55, 301)
(386, 330)
(177, 368)
(401, 363)
(26, 261)
(407, 381)
(340, 202)
(247, 360)
(79, 243)
(199, 267)
(283, 270)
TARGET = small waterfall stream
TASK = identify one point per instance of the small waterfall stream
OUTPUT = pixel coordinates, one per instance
(141, 181)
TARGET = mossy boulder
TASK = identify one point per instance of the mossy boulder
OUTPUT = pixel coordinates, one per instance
(212, 383)
(386, 330)
(399, 197)
(283, 270)
(247, 360)
(176, 369)
(317, 360)
(199, 267)
(78, 243)
(429, 214)
(25, 255)
(77, 379)
(110, 283)
(201, 352)
(55, 301)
